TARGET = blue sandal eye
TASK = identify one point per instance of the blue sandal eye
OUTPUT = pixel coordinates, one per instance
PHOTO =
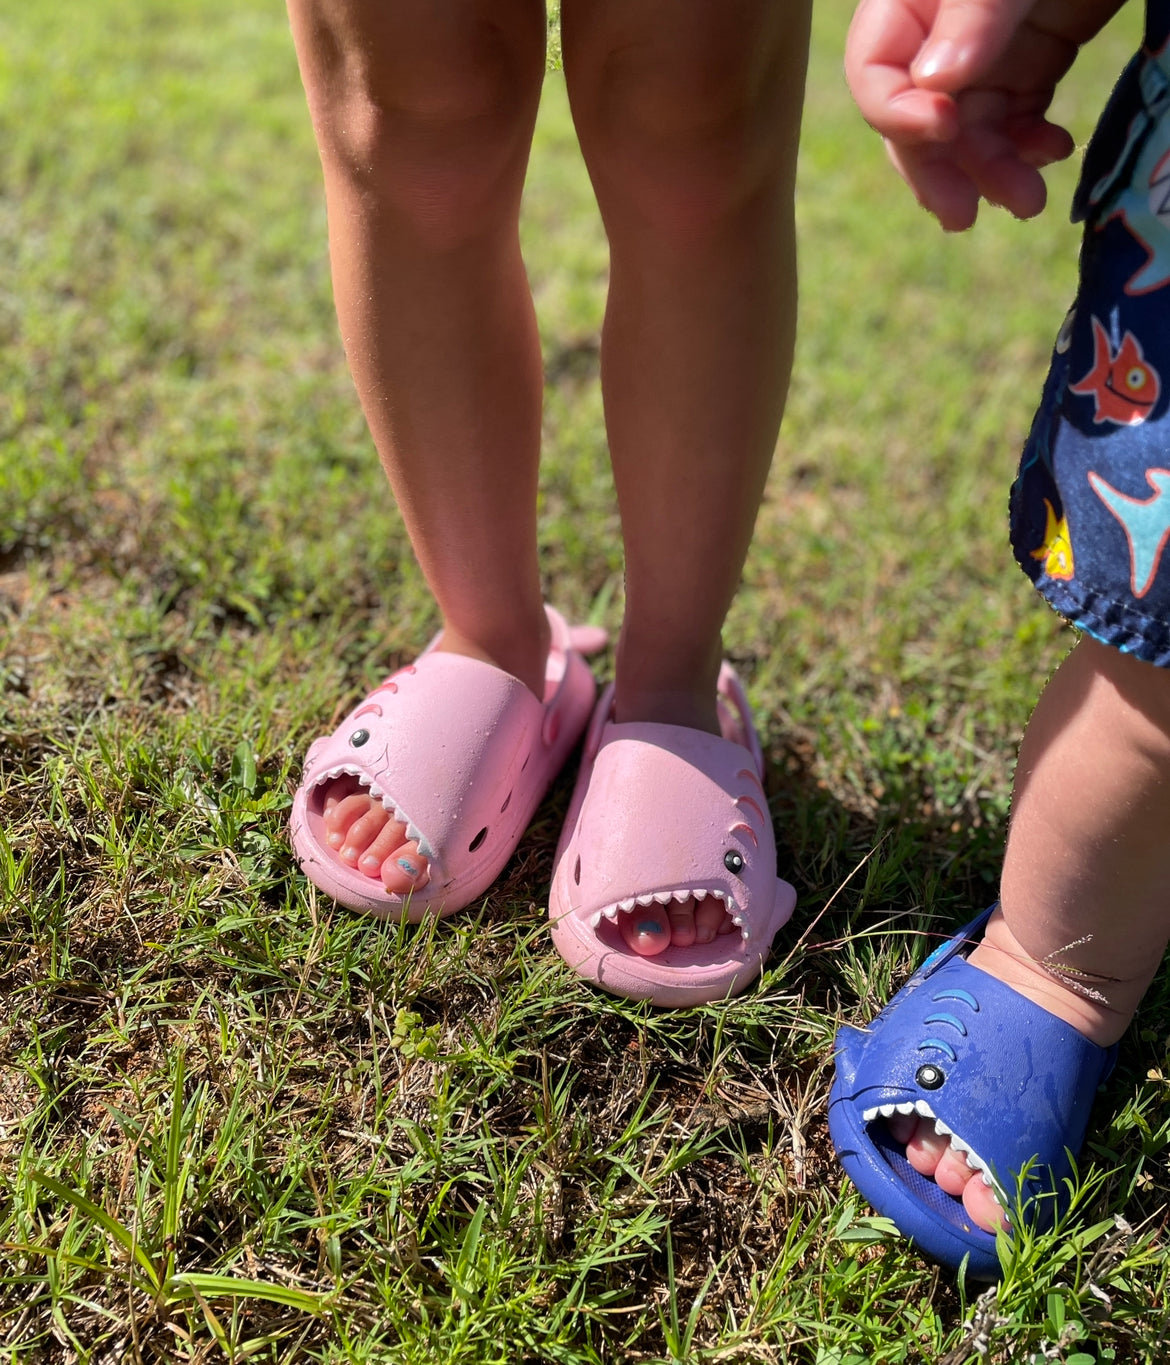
(359, 737)
(733, 861)
(929, 1077)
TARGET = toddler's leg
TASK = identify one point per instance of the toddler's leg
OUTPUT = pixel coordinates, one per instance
(688, 114)
(1085, 896)
(423, 111)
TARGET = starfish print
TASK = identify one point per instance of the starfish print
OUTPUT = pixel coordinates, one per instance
(1145, 521)
(1056, 549)
(1124, 386)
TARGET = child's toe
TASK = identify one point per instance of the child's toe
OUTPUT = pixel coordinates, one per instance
(682, 923)
(646, 930)
(709, 918)
(926, 1148)
(980, 1202)
(362, 833)
(388, 840)
(952, 1173)
(404, 869)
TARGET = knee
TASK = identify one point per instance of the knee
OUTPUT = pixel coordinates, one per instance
(438, 142)
(685, 135)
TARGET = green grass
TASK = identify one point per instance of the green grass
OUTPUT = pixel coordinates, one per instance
(238, 1123)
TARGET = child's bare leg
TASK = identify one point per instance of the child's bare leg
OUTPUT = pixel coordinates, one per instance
(423, 111)
(1085, 896)
(688, 114)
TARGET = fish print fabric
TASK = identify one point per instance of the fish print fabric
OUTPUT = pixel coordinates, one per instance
(1090, 508)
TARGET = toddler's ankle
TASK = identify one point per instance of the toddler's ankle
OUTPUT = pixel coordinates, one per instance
(668, 682)
(520, 649)
(1077, 996)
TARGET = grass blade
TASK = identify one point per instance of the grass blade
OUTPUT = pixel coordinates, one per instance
(120, 1233)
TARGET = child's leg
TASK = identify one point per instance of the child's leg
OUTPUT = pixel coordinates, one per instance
(1085, 896)
(688, 114)
(423, 111)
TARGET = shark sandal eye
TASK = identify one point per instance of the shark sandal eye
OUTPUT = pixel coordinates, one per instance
(929, 1077)
(359, 737)
(733, 861)
(479, 838)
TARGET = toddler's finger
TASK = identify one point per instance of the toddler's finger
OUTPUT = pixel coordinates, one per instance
(903, 112)
(966, 37)
(1041, 143)
(1000, 174)
(998, 121)
(941, 186)
(883, 39)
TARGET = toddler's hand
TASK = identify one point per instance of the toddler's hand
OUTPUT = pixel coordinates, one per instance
(960, 89)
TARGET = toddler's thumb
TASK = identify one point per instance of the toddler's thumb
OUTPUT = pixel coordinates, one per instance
(965, 39)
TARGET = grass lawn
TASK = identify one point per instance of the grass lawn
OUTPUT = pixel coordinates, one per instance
(238, 1123)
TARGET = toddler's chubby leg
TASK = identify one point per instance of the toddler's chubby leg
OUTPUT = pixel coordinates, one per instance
(423, 111)
(1085, 908)
(688, 115)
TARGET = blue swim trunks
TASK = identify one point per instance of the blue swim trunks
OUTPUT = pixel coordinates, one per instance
(1090, 508)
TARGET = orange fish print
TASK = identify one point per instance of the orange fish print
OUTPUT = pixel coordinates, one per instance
(1124, 386)
(1056, 548)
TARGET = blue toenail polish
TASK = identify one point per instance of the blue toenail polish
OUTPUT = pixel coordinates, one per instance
(408, 867)
(649, 926)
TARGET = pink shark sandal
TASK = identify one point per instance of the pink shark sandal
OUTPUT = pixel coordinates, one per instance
(462, 754)
(662, 813)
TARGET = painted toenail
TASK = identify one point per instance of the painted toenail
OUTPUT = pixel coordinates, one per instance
(408, 867)
(335, 840)
(649, 926)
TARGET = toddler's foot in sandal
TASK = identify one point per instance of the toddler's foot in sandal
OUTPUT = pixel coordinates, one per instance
(980, 1071)
(933, 1153)
(679, 920)
(664, 886)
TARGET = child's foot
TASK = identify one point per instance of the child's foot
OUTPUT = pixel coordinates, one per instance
(650, 929)
(668, 843)
(929, 1151)
(365, 836)
(358, 828)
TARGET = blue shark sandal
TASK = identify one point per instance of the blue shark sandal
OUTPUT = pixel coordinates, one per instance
(1007, 1081)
